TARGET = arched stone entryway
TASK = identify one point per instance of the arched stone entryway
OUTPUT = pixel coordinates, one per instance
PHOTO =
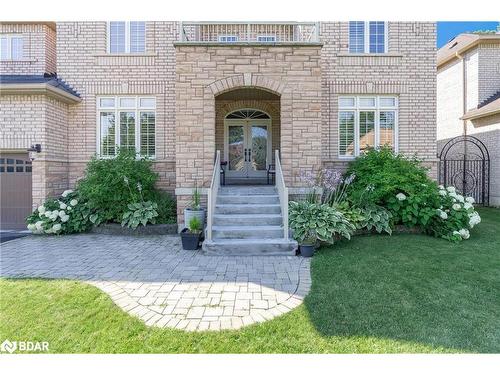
(254, 99)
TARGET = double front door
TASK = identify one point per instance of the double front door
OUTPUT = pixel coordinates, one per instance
(247, 147)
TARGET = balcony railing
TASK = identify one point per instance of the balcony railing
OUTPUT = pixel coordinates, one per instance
(249, 32)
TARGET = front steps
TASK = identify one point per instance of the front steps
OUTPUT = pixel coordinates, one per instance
(248, 221)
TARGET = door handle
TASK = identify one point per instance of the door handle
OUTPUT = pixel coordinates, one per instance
(249, 154)
(245, 154)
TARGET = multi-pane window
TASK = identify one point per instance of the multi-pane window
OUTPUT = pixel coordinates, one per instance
(126, 122)
(367, 122)
(377, 37)
(356, 37)
(367, 37)
(228, 38)
(11, 47)
(126, 37)
(266, 38)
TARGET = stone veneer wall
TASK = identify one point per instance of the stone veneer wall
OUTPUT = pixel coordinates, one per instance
(407, 70)
(39, 49)
(203, 72)
(83, 62)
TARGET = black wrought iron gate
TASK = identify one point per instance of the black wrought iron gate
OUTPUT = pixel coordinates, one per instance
(464, 163)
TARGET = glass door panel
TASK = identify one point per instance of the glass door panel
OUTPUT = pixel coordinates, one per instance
(258, 146)
(236, 148)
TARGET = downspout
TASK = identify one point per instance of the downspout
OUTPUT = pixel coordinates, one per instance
(464, 110)
(464, 91)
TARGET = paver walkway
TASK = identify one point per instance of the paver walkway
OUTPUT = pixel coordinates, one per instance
(151, 277)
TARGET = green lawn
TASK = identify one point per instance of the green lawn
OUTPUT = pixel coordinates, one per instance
(374, 294)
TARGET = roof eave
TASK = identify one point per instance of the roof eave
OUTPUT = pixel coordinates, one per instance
(38, 88)
(465, 49)
(476, 116)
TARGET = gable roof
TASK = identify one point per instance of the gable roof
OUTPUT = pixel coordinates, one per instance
(13, 83)
(461, 43)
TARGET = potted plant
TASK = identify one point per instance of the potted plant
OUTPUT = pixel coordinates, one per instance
(191, 236)
(313, 222)
(194, 209)
(307, 244)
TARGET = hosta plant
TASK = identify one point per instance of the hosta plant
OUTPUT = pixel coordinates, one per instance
(353, 214)
(317, 222)
(67, 214)
(377, 218)
(140, 213)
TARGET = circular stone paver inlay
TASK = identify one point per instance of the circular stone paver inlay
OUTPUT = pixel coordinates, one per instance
(152, 278)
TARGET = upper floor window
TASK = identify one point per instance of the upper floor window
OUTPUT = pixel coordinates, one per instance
(266, 38)
(11, 47)
(128, 122)
(367, 37)
(367, 122)
(228, 38)
(126, 37)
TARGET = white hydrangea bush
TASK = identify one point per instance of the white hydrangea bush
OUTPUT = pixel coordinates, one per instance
(59, 216)
(456, 215)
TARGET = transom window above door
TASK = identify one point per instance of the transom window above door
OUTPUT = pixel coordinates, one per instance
(126, 37)
(368, 37)
(127, 122)
(367, 122)
(247, 114)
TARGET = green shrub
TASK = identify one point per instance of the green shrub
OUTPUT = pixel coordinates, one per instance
(446, 214)
(381, 174)
(67, 214)
(140, 213)
(314, 221)
(110, 185)
(167, 207)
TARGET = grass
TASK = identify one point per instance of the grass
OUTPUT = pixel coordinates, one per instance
(374, 294)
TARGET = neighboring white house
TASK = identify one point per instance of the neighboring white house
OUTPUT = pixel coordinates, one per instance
(468, 96)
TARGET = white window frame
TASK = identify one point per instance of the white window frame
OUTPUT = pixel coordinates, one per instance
(223, 38)
(116, 109)
(9, 46)
(265, 36)
(367, 38)
(127, 38)
(357, 108)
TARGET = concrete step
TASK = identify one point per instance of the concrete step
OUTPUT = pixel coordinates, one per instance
(248, 199)
(247, 190)
(247, 209)
(248, 219)
(249, 247)
(247, 231)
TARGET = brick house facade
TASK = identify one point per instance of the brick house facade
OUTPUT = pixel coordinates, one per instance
(197, 79)
(468, 97)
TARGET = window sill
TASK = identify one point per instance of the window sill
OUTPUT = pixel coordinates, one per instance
(124, 59)
(145, 54)
(20, 61)
(370, 59)
(387, 54)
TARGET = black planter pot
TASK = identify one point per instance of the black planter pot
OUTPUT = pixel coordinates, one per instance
(190, 241)
(307, 250)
